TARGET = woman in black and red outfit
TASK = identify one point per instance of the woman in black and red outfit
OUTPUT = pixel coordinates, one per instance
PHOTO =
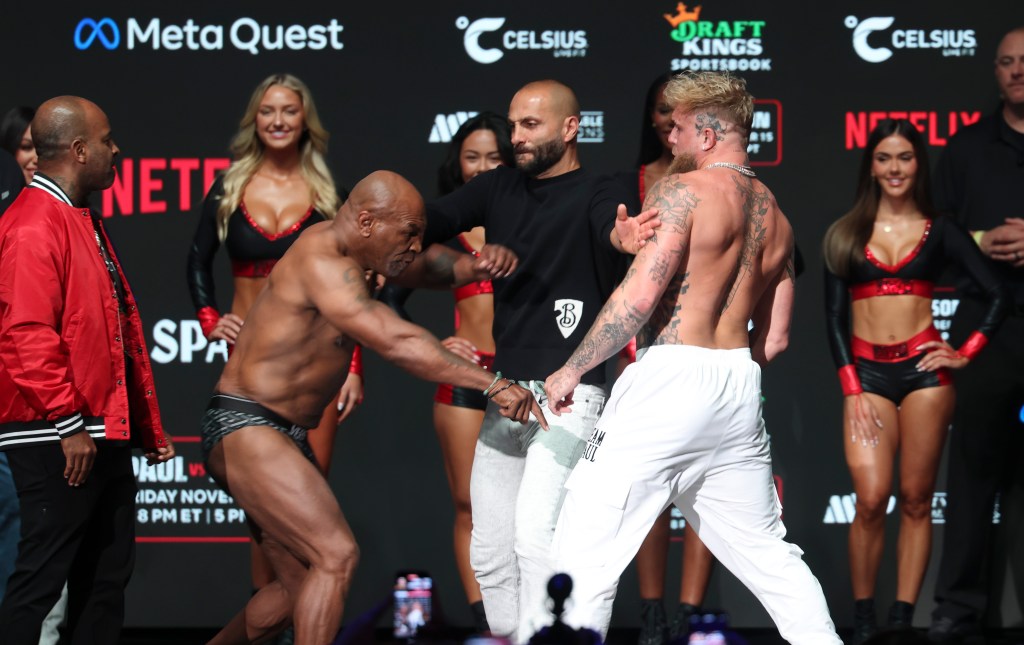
(882, 259)
(277, 186)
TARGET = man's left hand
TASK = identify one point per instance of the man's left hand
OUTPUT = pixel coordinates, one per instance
(1005, 243)
(633, 232)
(160, 455)
(495, 261)
(559, 388)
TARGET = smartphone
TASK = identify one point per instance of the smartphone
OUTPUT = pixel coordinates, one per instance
(708, 628)
(413, 596)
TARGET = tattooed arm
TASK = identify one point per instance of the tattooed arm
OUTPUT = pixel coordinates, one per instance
(639, 294)
(772, 317)
(440, 267)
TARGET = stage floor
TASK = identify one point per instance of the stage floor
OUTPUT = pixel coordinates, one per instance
(616, 637)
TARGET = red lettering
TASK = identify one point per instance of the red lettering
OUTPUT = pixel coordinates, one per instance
(874, 118)
(197, 470)
(122, 191)
(148, 184)
(933, 135)
(856, 130)
(919, 119)
(897, 115)
(185, 168)
(210, 169)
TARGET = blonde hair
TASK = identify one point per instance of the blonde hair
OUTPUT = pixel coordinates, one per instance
(247, 150)
(718, 92)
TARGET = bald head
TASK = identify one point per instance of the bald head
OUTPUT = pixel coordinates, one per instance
(382, 192)
(553, 95)
(60, 121)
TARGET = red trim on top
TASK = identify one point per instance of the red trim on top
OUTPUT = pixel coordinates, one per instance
(643, 184)
(461, 237)
(273, 237)
(473, 288)
(902, 263)
(252, 268)
(892, 287)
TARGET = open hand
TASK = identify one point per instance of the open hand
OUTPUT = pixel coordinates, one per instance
(633, 232)
(864, 421)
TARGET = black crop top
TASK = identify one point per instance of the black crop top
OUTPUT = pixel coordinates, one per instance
(252, 250)
(944, 241)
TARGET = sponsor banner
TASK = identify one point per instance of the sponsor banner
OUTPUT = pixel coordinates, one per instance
(446, 125)
(178, 502)
(709, 41)
(487, 40)
(765, 145)
(937, 126)
(182, 341)
(160, 185)
(878, 38)
(243, 34)
(843, 508)
(591, 127)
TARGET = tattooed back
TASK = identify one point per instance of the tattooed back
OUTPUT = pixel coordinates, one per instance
(722, 248)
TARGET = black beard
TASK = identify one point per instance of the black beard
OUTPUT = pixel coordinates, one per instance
(545, 155)
(682, 163)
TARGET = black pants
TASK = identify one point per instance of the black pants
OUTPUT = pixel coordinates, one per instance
(982, 457)
(84, 535)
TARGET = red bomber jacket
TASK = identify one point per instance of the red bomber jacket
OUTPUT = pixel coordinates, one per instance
(64, 341)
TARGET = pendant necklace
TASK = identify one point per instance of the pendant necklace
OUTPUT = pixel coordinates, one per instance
(743, 170)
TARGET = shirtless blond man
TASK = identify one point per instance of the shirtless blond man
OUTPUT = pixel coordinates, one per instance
(683, 424)
(289, 361)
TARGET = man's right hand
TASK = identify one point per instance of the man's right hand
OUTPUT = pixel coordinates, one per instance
(227, 328)
(518, 403)
(80, 453)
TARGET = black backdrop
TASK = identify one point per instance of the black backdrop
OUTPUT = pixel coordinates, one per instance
(392, 81)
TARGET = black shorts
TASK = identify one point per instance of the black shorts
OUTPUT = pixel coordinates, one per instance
(227, 413)
(896, 379)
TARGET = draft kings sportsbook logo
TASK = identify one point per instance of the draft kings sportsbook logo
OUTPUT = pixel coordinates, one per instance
(716, 45)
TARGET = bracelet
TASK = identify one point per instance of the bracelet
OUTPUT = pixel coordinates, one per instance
(497, 377)
(500, 390)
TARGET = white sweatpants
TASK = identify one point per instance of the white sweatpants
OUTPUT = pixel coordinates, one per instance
(683, 425)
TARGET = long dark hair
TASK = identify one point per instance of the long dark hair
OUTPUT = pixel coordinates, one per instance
(13, 126)
(651, 147)
(449, 175)
(845, 240)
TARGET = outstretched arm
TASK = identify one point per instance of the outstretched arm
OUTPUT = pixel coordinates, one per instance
(347, 305)
(440, 267)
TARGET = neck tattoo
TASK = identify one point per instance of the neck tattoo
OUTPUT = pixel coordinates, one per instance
(743, 170)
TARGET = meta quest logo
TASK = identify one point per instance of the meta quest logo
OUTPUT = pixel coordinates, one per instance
(722, 45)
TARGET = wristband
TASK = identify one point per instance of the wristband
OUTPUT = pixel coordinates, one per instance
(977, 235)
(356, 366)
(497, 377)
(501, 389)
(208, 317)
(974, 344)
(849, 380)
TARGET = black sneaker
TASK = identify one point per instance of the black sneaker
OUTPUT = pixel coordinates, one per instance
(654, 628)
(946, 630)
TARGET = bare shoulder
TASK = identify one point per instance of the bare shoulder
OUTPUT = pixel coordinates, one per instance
(677, 198)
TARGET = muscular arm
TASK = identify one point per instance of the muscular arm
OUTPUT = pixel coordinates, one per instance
(772, 317)
(653, 269)
(440, 267)
(348, 306)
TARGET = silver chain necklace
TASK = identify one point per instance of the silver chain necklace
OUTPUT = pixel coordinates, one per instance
(743, 170)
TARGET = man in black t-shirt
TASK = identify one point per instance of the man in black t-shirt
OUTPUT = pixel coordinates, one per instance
(980, 181)
(569, 229)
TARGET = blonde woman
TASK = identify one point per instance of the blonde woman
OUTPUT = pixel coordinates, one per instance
(278, 186)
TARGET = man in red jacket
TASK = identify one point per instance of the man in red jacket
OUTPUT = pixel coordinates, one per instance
(76, 387)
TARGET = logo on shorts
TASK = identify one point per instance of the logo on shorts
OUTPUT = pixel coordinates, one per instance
(593, 443)
(569, 312)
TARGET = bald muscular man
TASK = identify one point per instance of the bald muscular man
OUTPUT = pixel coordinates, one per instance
(684, 422)
(289, 361)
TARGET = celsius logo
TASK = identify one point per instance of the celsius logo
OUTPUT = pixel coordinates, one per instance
(244, 34)
(562, 43)
(89, 30)
(952, 42)
(732, 45)
(445, 126)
